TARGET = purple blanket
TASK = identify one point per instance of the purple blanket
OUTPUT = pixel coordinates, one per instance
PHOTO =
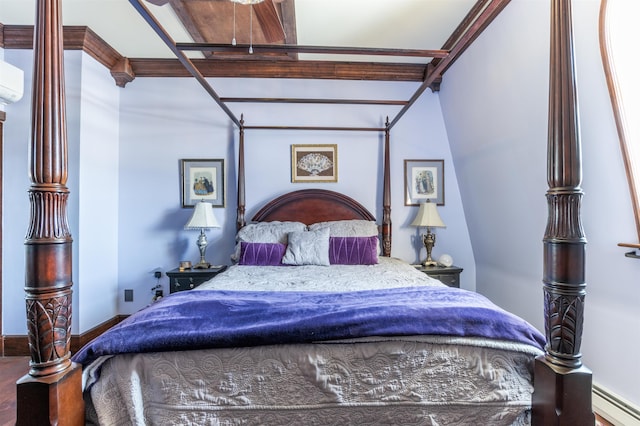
(217, 319)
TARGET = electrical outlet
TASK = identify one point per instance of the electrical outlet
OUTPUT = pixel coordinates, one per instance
(128, 295)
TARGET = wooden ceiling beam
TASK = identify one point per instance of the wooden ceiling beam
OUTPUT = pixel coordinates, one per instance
(322, 70)
(269, 21)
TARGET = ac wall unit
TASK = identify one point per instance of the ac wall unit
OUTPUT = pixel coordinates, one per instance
(11, 83)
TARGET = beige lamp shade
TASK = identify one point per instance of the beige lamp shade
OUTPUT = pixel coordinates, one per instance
(202, 217)
(428, 216)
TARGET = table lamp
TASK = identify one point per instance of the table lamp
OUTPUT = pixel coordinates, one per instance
(428, 216)
(202, 218)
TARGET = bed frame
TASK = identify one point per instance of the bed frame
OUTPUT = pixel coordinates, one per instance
(51, 392)
(311, 206)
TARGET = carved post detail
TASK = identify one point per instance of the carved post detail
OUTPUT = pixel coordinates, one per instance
(240, 215)
(48, 240)
(51, 392)
(562, 392)
(386, 196)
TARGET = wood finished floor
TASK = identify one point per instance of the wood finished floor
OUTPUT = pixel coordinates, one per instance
(12, 368)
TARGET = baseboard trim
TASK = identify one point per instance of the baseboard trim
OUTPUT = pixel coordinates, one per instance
(19, 345)
(613, 408)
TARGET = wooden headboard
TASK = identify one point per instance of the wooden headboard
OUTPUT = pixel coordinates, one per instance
(311, 206)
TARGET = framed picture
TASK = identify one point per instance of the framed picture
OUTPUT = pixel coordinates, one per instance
(423, 180)
(314, 163)
(202, 180)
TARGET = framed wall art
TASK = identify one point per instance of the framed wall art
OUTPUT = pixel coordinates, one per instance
(314, 163)
(202, 180)
(423, 180)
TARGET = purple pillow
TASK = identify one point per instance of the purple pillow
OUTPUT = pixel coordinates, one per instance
(353, 250)
(261, 254)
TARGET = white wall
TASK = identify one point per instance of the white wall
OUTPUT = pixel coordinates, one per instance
(165, 120)
(97, 170)
(15, 201)
(495, 103)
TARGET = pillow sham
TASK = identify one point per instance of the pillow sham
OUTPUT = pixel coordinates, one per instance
(353, 250)
(261, 254)
(307, 248)
(265, 232)
(348, 228)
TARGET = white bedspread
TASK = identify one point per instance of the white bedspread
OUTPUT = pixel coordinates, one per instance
(388, 273)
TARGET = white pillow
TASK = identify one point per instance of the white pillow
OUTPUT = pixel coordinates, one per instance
(265, 232)
(307, 248)
(348, 228)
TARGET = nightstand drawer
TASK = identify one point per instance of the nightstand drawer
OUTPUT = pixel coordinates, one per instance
(452, 280)
(191, 278)
(449, 275)
(184, 283)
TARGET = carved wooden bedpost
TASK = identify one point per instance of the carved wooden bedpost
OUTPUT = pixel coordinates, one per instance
(562, 388)
(51, 393)
(386, 196)
(240, 213)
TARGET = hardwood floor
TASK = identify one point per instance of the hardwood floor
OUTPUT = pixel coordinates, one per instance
(11, 369)
(14, 367)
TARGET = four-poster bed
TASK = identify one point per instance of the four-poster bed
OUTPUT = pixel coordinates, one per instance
(52, 392)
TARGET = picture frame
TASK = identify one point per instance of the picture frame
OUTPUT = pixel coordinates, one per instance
(202, 179)
(423, 180)
(314, 163)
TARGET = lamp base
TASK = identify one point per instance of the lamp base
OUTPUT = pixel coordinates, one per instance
(429, 241)
(202, 265)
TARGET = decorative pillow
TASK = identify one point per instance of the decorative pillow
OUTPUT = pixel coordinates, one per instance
(261, 254)
(265, 232)
(307, 248)
(348, 228)
(353, 250)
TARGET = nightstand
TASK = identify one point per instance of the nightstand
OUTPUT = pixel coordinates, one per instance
(191, 278)
(450, 275)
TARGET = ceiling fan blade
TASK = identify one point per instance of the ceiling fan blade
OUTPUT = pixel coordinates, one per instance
(269, 20)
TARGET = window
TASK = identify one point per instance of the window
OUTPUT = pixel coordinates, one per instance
(619, 33)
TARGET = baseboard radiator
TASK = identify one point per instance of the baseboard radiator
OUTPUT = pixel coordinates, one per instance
(614, 409)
